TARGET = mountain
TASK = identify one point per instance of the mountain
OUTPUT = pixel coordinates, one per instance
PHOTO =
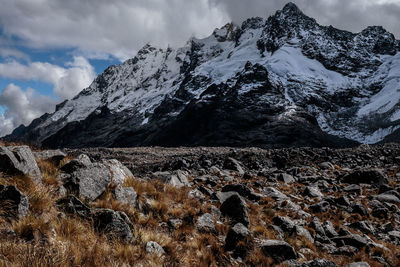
(283, 81)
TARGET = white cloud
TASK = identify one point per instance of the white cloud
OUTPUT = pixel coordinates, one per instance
(67, 81)
(119, 27)
(7, 53)
(22, 107)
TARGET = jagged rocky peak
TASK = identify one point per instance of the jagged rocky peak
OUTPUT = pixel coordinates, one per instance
(226, 33)
(280, 81)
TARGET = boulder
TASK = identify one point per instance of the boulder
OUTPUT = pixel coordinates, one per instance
(238, 235)
(119, 172)
(196, 194)
(234, 165)
(235, 208)
(115, 224)
(371, 176)
(388, 198)
(77, 163)
(358, 264)
(353, 240)
(313, 192)
(286, 178)
(19, 160)
(13, 202)
(242, 190)
(89, 182)
(278, 250)
(177, 178)
(205, 223)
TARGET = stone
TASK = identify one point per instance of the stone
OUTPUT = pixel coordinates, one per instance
(196, 194)
(326, 165)
(77, 163)
(353, 240)
(386, 198)
(284, 223)
(316, 263)
(72, 205)
(358, 264)
(13, 203)
(329, 229)
(205, 223)
(175, 223)
(19, 160)
(286, 178)
(126, 195)
(278, 250)
(237, 234)
(363, 226)
(242, 190)
(222, 196)
(176, 179)
(115, 224)
(235, 208)
(353, 188)
(119, 172)
(154, 248)
(371, 176)
(89, 182)
(55, 156)
(313, 192)
(234, 165)
(274, 193)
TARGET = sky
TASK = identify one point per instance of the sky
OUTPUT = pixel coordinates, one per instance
(52, 49)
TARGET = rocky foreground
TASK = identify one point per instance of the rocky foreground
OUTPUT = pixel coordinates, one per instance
(200, 207)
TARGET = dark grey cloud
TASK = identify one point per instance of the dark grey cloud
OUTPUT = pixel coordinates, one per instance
(354, 15)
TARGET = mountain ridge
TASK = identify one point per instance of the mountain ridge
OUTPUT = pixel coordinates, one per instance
(281, 81)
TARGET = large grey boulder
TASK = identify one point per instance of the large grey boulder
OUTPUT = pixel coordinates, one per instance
(235, 208)
(115, 224)
(89, 181)
(278, 250)
(119, 171)
(19, 160)
(14, 203)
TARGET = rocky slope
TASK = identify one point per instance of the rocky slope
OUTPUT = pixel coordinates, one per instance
(283, 81)
(201, 207)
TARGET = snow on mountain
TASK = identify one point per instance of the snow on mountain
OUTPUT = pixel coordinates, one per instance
(285, 72)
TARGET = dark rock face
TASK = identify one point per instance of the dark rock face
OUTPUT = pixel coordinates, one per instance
(113, 223)
(13, 203)
(278, 250)
(19, 161)
(235, 208)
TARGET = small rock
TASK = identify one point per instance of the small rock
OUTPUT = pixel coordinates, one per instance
(353, 240)
(154, 248)
(286, 178)
(386, 198)
(358, 264)
(234, 165)
(55, 156)
(205, 223)
(313, 192)
(372, 176)
(278, 250)
(196, 194)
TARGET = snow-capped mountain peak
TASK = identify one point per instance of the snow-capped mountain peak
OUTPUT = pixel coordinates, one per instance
(284, 80)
